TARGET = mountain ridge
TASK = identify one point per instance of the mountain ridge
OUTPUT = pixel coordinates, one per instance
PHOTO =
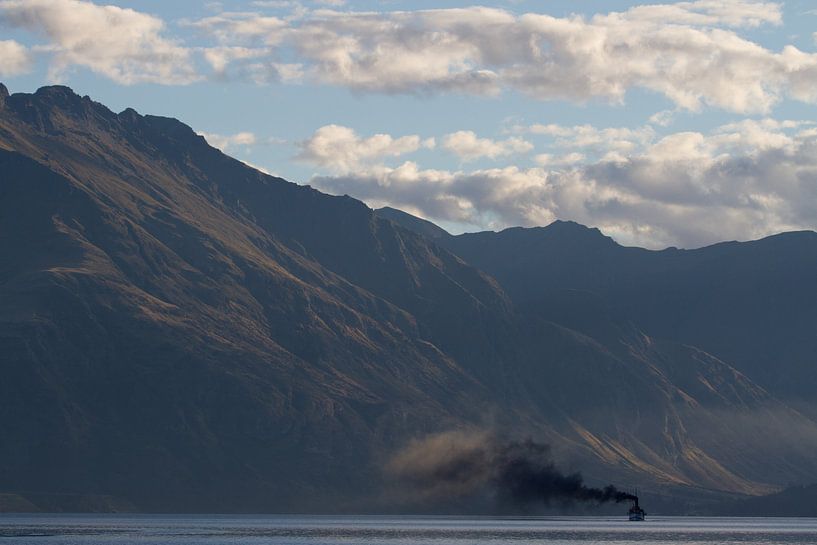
(533, 265)
(407, 220)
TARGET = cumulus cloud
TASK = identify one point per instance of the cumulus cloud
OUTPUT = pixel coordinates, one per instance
(340, 148)
(123, 44)
(15, 59)
(742, 180)
(690, 52)
(468, 147)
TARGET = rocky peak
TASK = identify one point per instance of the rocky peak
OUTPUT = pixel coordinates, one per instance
(129, 115)
(49, 107)
(59, 96)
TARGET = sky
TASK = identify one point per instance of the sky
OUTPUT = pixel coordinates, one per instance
(663, 124)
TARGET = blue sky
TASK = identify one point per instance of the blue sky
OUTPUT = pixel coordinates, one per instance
(677, 123)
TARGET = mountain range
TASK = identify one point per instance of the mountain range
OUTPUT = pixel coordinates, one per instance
(181, 332)
(750, 303)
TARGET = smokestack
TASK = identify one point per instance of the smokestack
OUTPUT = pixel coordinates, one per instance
(519, 473)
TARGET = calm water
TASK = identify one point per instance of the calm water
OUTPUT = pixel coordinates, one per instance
(299, 530)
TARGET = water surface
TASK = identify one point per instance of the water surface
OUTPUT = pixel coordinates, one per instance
(316, 530)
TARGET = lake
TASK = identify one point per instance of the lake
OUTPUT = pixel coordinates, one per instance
(320, 530)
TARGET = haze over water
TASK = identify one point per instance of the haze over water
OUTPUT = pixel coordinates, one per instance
(297, 530)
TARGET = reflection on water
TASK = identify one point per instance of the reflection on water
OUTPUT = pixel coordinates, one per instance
(298, 530)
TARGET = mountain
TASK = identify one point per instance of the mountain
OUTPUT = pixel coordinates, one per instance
(749, 303)
(180, 332)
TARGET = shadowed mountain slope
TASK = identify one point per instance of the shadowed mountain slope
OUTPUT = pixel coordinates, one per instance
(750, 303)
(182, 332)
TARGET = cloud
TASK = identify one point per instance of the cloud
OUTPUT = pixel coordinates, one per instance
(220, 58)
(15, 59)
(224, 143)
(466, 197)
(122, 44)
(233, 28)
(688, 51)
(576, 59)
(468, 147)
(400, 52)
(742, 180)
(255, 59)
(663, 118)
(262, 70)
(547, 159)
(340, 149)
(734, 13)
(618, 139)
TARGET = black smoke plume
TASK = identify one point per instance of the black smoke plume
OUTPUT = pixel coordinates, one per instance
(521, 473)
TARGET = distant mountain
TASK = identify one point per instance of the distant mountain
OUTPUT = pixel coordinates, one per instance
(753, 304)
(180, 332)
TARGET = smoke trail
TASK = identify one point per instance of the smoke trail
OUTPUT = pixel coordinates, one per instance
(523, 473)
(518, 472)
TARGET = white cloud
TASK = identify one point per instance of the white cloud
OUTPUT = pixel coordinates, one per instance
(735, 13)
(226, 142)
(619, 139)
(219, 58)
(261, 70)
(688, 51)
(663, 118)
(233, 28)
(742, 180)
(122, 44)
(608, 55)
(15, 59)
(342, 150)
(468, 147)
(398, 52)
